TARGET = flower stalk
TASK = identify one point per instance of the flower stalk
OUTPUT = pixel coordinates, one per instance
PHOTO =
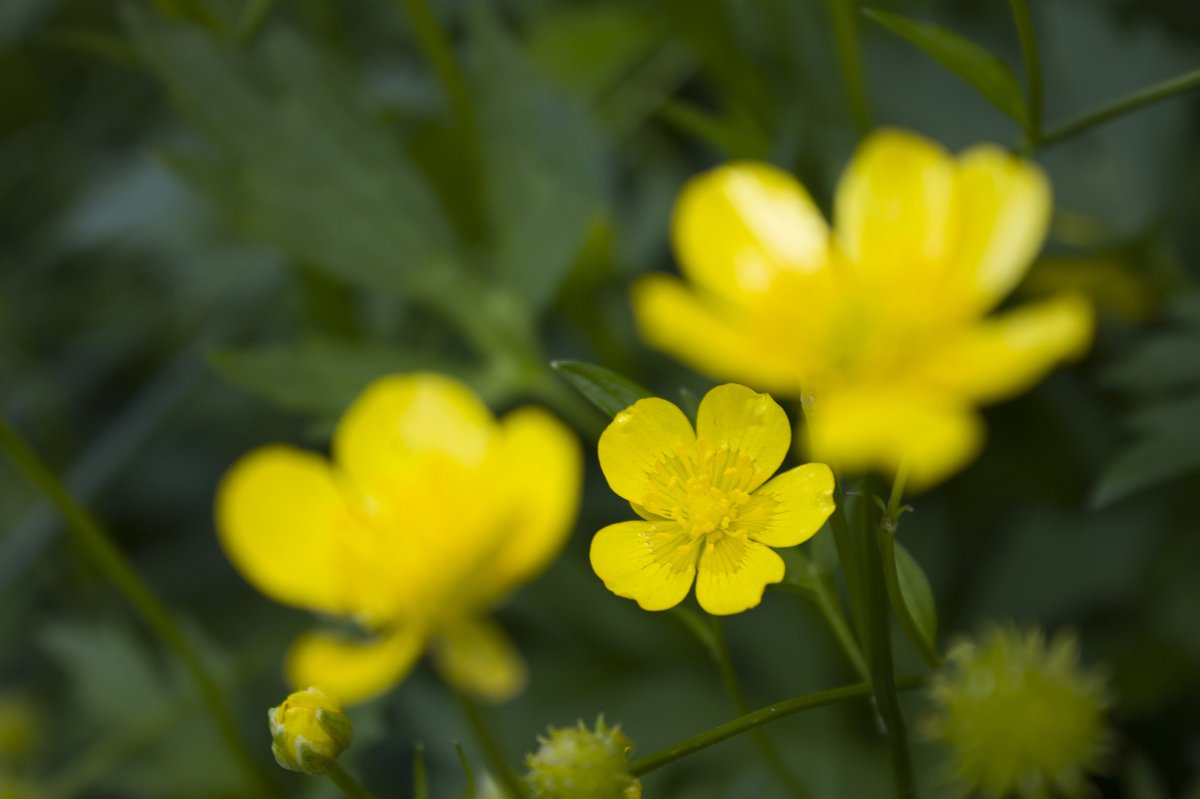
(99, 548)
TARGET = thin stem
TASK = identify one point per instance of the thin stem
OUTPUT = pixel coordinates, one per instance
(436, 46)
(349, 786)
(1033, 72)
(108, 559)
(880, 651)
(1132, 102)
(495, 755)
(750, 721)
(844, 16)
(827, 604)
(720, 653)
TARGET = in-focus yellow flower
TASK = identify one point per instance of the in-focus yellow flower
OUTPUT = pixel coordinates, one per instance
(879, 325)
(709, 513)
(308, 732)
(430, 512)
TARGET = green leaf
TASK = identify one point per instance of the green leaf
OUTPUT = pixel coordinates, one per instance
(323, 377)
(544, 167)
(302, 161)
(918, 596)
(1166, 449)
(605, 389)
(977, 66)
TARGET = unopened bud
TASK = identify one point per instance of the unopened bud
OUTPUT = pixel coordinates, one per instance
(308, 732)
(580, 763)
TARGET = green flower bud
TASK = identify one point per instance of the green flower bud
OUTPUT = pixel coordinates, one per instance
(579, 763)
(308, 732)
(1019, 715)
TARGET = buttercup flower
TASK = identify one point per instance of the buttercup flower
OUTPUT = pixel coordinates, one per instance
(709, 514)
(1020, 715)
(879, 325)
(308, 732)
(429, 513)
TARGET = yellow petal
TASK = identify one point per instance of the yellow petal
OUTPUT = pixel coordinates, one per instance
(791, 507)
(280, 520)
(651, 562)
(748, 423)
(1008, 354)
(402, 416)
(1005, 208)
(671, 318)
(734, 573)
(895, 210)
(352, 671)
(477, 657)
(543, 468)
(643, 446)
(737, 227)
(881, 430)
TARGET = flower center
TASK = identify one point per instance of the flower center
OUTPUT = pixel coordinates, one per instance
(713, 489)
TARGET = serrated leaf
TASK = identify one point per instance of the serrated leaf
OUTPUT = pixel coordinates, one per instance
(918, 596)
(543, 164)
(977, 66)
(607, 390)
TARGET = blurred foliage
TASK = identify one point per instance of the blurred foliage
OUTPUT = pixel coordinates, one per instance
(221, 219)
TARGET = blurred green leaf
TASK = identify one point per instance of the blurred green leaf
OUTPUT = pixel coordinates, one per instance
(982, 69)
(322, 377)
(299, 160)
(607, 390)
(918, 596)
(543, 162)
(469, 787)
(589, 48)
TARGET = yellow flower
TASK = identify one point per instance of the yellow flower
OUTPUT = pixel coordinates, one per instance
(879, 325)
(308, 732)
(709, 514)
(430, 512)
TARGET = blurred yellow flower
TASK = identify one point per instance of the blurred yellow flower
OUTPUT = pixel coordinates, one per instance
(430, 512)
(879, 325)
(709, 514)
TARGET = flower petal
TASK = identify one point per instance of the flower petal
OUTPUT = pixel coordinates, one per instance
(671, 318)
(651, 562)
(749, 423)
(929, 435)
(1005, 212)
(352, 671)
(478, 657)
(543, 467)
(643, 448)
(895, 210)
(402, 416)
(280, 519)
(791, 507)
(737, 227)
(734, 573)
(1008, 354)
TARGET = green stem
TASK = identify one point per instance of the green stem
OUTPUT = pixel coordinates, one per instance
(826, 602)
(108, 559)
(879, 650)
(436, 46)
(844, 16)
(1033, 72)
(495, 755)
(1132, 102)
(750, 721)
(349, 786)
(720, 654)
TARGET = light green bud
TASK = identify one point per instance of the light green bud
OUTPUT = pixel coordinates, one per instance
(580, 763)
(308, 732)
